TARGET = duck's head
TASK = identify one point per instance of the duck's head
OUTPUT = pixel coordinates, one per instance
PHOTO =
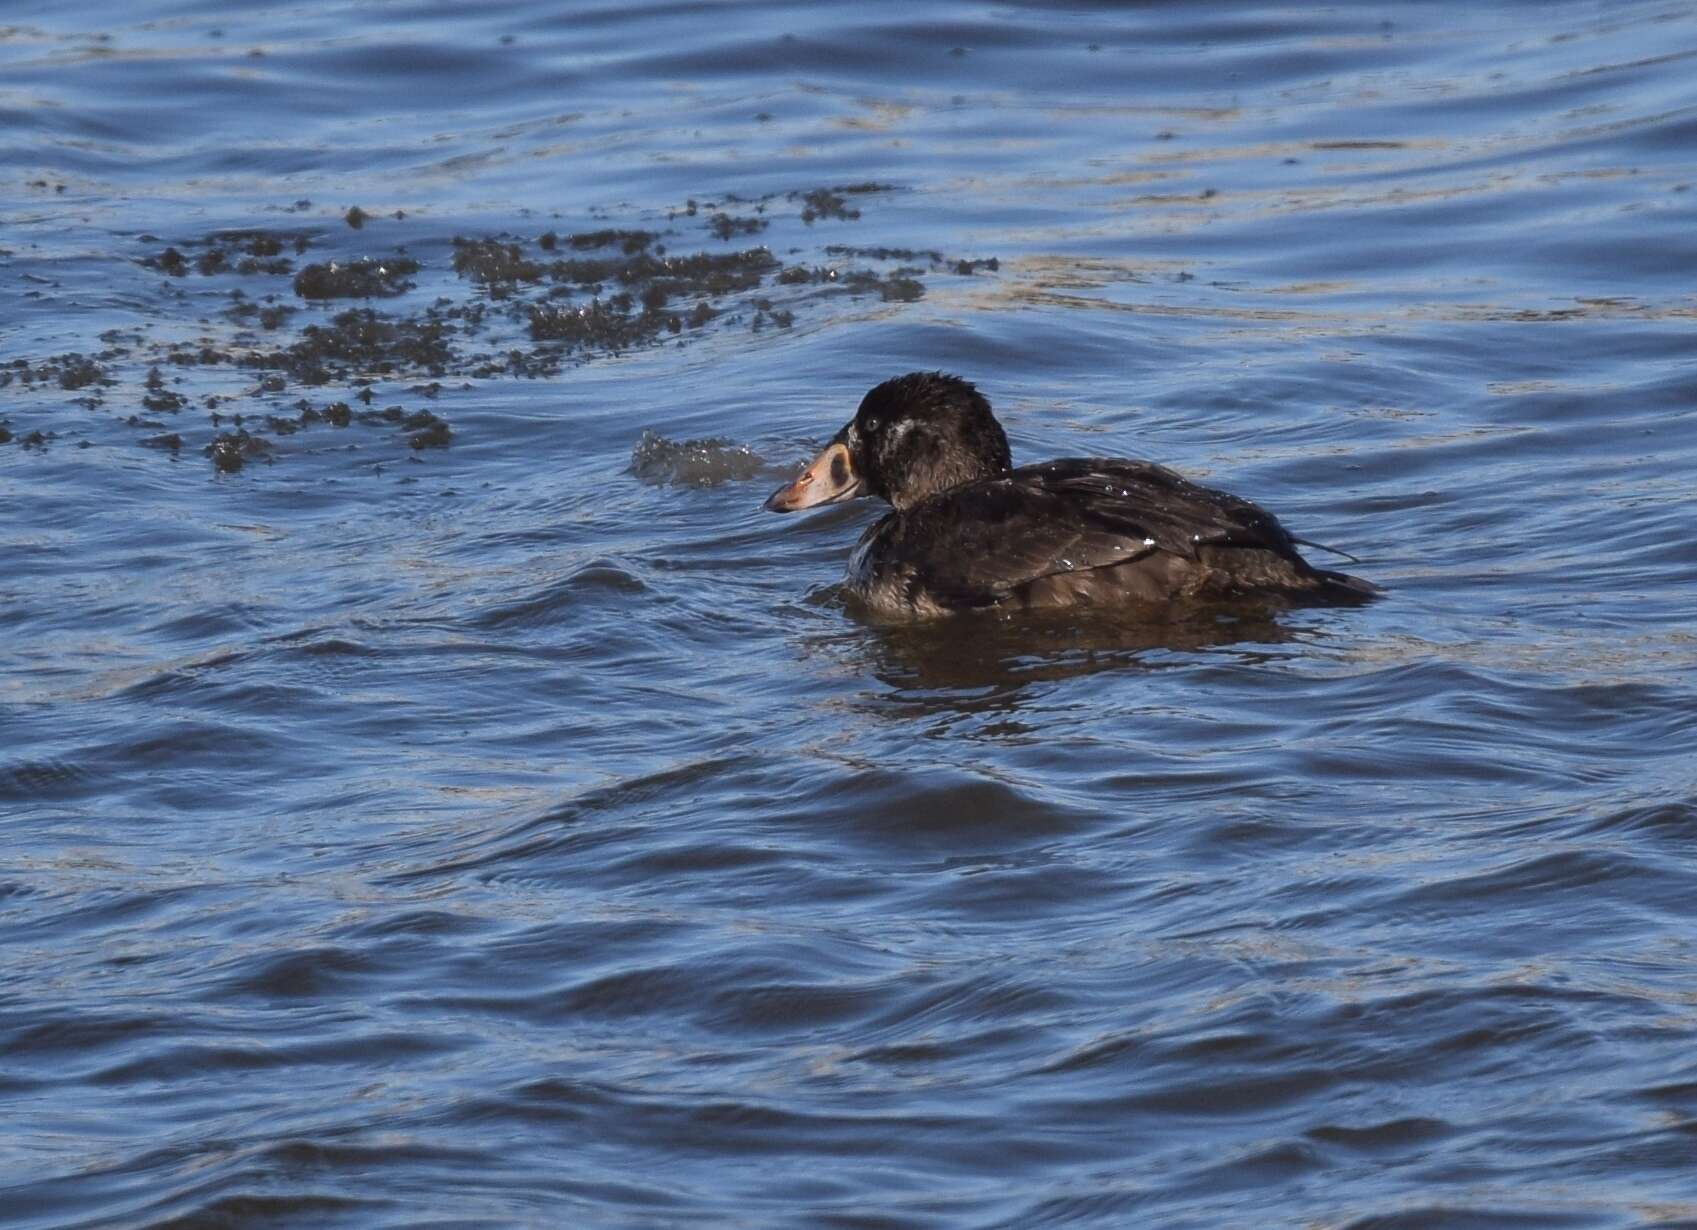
(912, 437)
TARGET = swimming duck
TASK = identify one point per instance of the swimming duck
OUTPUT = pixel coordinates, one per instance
(968, 531)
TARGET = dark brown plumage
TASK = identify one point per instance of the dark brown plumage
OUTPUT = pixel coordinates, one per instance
(968, 531)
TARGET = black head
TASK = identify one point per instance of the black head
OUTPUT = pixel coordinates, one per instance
(912, 437)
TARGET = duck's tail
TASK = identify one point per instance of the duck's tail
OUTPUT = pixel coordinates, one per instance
(1342, 587)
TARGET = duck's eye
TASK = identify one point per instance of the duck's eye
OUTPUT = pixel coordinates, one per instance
(871, 425)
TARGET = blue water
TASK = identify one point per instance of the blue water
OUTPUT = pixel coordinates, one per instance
(486, 815)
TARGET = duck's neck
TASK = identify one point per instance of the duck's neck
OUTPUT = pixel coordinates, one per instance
(942, 473)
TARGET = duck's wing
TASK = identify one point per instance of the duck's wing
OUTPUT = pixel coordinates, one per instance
(975, 545)
(1178, 514)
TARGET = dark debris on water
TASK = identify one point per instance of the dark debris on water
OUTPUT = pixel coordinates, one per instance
(247, 253)
(231, 450)
(505, 306)
(365, 278)
(832, 203)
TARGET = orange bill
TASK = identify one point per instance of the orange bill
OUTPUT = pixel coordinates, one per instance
(828, 478)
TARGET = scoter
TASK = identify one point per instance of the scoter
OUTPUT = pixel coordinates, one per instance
(968, 531)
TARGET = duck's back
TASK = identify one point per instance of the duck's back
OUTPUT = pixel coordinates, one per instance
(1083, 531)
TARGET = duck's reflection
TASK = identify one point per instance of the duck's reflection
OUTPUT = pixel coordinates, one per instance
(985, 659)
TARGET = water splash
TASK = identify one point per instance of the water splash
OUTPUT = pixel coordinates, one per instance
(692, 463)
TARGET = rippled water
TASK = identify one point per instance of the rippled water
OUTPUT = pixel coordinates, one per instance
(481, 813)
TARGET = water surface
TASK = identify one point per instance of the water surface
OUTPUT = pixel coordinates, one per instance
(435, 794)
